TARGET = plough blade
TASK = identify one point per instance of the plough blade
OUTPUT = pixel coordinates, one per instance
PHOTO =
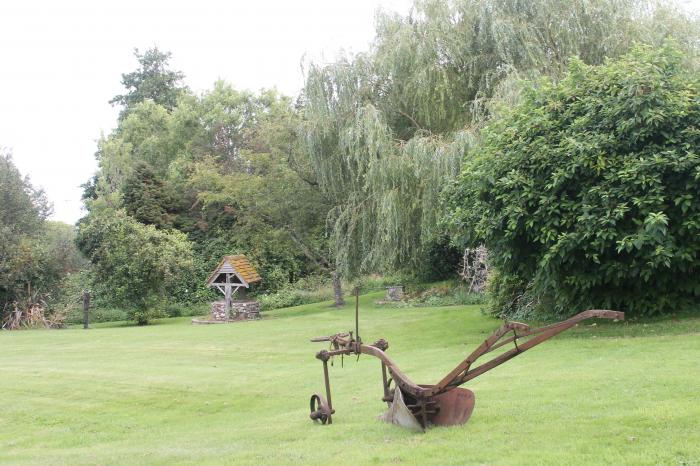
(451, 408)
(399, 414)
(454, 407)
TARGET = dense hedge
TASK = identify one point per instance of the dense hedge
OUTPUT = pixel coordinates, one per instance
(588, 192)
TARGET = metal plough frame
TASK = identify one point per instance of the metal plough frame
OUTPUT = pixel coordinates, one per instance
(419, 406)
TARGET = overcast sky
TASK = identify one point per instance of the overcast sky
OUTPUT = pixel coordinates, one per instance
(61, 62)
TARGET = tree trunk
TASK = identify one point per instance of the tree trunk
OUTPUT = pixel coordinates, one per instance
(337, 290)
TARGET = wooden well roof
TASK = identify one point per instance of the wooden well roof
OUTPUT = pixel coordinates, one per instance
(239, 265)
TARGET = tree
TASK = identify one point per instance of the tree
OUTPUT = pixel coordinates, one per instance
(60, 255)
(23, 210)
(22, 207)
(137, 265)
(586, 194)
(152, 80)
(36, 255)
(217, 168)
(145, 197)
(275, 209)
(385, 131)
(280, 217)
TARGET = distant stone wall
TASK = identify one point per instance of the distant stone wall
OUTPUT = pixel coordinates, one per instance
(247, 309)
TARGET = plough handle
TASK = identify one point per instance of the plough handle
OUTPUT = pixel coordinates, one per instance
(463, 372)
(330, 337)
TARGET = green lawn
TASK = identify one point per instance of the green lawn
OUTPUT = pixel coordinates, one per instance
(625, 393)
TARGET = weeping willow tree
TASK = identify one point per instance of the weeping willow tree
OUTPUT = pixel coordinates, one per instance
(385, 131)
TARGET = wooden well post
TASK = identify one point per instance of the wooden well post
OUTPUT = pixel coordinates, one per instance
(228, 293)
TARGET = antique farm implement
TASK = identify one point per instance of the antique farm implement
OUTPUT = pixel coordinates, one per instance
(418, 406)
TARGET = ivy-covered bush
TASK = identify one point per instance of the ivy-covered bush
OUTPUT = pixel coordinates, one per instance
(587, 194)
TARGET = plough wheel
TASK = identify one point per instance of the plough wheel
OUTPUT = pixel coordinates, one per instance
(320, 411)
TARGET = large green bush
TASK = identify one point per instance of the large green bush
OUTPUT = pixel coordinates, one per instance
(137, 266)
(587, 194)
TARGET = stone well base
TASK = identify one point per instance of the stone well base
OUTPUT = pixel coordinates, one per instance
(245, 309)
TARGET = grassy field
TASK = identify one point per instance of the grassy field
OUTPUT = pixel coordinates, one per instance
(173, 393)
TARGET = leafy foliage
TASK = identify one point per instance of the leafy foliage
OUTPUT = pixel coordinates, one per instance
(440, 294)
(588, 190)
(36, 255)
(216, 168)
(138, 265)
(385, 130)
(347, 179)
(145, 196)
(152, 80)
(23, 210)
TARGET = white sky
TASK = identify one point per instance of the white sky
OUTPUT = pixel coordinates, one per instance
(61, 62)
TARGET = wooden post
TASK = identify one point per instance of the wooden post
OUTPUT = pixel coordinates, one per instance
(86, 308)
(358, 341)
(227, 306)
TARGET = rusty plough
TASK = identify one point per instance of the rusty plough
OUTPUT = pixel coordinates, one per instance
(418, 406)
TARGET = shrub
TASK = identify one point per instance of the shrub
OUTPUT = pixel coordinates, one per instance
(311, 289)
(511, 296)
(144, 315)
(316, 288)
(442, 294)
(185, 310)
(137, 264)
(589, 190)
